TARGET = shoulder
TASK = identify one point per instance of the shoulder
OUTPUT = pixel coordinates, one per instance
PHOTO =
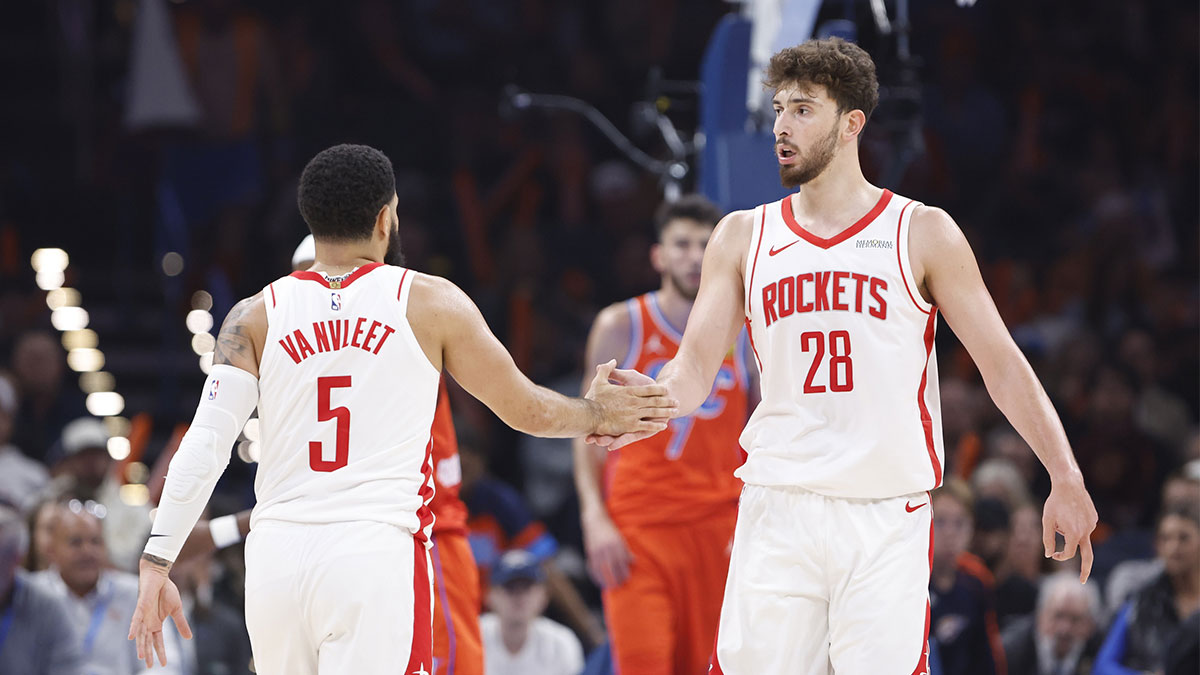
(975, 568)
(555, 632)
(434, 296)
(248, 310)
(612, 319)
(489, 623)
(736, 225)
(932, 229)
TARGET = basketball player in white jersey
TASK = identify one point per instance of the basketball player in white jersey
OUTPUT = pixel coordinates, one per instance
(343, 362)
(840, 284)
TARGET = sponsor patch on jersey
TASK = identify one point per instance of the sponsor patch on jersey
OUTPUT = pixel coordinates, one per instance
(872, 243)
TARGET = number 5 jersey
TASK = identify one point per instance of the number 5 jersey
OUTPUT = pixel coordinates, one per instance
(844, 342)
(346, 402)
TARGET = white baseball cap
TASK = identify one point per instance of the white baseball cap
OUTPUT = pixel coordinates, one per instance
(305, 252)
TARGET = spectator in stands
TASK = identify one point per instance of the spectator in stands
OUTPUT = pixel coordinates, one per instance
(41, 521)
(1182, 488)
(36, 636)
(500, 521)
(21, 478)
(1015, 595)
(999, 478)
(517, 639)
(1157, 626)
(961, 590)
(47, 402)
(83, 462)
(1063, 637)
(99, 601)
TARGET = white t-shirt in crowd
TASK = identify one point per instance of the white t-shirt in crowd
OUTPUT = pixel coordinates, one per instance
(551, 649)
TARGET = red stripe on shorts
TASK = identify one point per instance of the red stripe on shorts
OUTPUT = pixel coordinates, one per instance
(420, 655)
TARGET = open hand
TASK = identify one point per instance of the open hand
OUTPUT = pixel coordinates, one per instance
(636, 408)
(158, 598)
(608, 556)
(1070, 512)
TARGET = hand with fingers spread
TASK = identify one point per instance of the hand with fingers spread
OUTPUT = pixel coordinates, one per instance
(636, 408)
(625, 378)
(158, 598)
(1069, 511)
(608, 556)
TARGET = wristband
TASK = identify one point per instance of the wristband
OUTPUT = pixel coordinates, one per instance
(224, 530)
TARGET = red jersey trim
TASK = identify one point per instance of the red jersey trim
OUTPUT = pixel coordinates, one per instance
(400, 289)
(424, 513)
(900, 261)
(926, 418)
(762, 231)
(923, 661)
(272, 287)
(319, 278)
(789, 219)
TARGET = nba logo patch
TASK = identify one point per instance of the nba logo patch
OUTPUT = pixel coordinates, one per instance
(212, 391)
(335, 301)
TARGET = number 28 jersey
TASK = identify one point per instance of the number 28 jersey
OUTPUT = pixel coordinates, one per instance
(346, 402)
(844, 342)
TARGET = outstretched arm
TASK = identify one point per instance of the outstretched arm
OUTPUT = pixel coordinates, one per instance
(229, 396)
(453, 334)
(717, 316)
(947, 273)
(713, 325)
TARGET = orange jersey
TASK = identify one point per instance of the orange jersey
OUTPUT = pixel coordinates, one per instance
(448, 510)
(685, 473)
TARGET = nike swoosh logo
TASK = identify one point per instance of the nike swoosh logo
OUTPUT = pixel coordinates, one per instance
(910, 508)
(156, 535)
(774, 250)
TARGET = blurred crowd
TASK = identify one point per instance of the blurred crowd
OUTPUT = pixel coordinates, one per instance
(1063, 138)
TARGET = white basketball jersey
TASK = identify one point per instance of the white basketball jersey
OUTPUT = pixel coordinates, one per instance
(346, 402)
(844, 342)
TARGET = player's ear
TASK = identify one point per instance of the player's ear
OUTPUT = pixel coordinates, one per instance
(383, 222)
(656, 257)
(854, 122)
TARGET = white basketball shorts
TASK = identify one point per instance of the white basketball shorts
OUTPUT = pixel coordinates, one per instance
(822, 585)
(338, 598)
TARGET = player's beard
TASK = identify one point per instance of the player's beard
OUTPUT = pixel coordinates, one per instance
(810, 165)
(394, 255)
(685, 287)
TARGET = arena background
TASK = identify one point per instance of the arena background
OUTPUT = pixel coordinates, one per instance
(153, 188)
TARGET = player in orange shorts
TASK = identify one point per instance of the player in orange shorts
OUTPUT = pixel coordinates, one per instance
(457, 645)
(658, 526)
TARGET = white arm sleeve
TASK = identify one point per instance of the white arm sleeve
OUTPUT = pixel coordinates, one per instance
(229, 396)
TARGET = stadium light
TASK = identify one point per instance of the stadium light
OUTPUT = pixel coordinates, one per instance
(85, 361)
(69, 318)
(105, 403)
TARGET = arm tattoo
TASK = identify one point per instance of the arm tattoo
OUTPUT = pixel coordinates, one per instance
(233, 342)
(157, 561)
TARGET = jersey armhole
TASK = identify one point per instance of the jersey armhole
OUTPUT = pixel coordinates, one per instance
(904, 261)
(403, 293)
(634, 351)
(757, 234)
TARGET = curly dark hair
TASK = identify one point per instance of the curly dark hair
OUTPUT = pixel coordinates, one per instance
(843, 68)
(693, 206)
(342, 190)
